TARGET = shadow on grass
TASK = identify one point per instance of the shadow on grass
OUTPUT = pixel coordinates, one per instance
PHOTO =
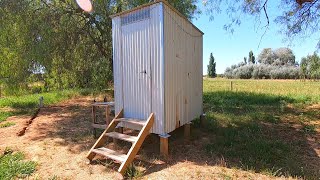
(243, 130)
(249, 133)
(246, 131)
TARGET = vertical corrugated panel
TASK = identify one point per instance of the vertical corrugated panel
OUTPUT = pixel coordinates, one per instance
(138, 47)
(117, 63)
(183, 71)
(157, 67)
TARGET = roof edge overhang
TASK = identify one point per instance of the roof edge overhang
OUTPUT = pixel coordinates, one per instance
(152, 3)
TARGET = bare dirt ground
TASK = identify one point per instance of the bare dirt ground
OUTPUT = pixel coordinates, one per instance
(59, 138)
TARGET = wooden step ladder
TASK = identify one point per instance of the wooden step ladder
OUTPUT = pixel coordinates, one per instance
(124, 159)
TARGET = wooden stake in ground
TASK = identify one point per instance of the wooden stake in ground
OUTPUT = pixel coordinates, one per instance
(164, 145)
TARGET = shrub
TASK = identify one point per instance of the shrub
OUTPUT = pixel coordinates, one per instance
(263, 71)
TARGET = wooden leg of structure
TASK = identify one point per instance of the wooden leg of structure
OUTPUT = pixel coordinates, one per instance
(187, 128)
(94, 121)
(202, 119)
(107, 115)
(164, 145)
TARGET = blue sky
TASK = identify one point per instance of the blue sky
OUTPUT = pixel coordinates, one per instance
(230, 48)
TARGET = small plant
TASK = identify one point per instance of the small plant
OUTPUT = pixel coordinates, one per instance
(8, 151)
(54, 177)
(273, 172)
(225, 177)
(7, 124)
(12, 165)
(132, 172)
(5, 115)
(309, 128)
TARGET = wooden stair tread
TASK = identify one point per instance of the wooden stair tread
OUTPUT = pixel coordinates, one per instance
(124, 159)
(109, 153)
(123, 137)
(139, 122)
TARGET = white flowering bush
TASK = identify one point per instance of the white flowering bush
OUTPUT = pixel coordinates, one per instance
(273, 64)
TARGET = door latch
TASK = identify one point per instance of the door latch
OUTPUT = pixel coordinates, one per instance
(144, 72)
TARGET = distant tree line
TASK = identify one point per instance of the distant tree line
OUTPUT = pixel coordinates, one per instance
(310, 67)
(276, 64)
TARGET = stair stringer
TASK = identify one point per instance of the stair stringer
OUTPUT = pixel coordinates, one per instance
(136, 146)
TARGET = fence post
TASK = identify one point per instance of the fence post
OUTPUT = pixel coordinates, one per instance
(231, 85)
(41, 102)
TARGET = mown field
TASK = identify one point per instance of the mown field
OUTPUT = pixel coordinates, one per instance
(265, 126)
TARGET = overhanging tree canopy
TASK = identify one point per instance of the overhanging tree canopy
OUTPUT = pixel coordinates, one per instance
(71, 48)
(298, 18)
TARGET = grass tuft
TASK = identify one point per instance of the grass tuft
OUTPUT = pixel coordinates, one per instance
(7, 124)
(12, 165)
(133, 172)
(5, 115)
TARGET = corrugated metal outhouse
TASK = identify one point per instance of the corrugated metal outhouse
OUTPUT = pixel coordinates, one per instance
(157, 58)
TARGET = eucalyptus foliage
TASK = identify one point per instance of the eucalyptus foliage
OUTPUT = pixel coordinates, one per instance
(56, 44)
(310, 67)
(297, 18)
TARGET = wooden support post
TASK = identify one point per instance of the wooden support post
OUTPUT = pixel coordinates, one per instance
(231, 85)
(187, 128)
(202, 119)
(94, 121)
(107, 115)
(164, 145)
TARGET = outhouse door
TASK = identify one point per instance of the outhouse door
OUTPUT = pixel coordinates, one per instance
(136, 69)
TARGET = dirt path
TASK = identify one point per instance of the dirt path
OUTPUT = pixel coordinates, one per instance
(59, 138)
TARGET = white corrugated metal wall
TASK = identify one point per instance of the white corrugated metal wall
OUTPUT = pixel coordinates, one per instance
(117, 63)
(175, 81)
(183, 70)
(138, 64)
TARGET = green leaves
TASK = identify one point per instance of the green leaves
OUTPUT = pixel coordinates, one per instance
(58, 44)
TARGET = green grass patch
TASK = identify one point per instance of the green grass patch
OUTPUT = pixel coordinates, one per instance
(246, 124)
(300, 92)
(13, 165)
(7, 124)
(26, 104)
(5, 115)
(32, 101)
